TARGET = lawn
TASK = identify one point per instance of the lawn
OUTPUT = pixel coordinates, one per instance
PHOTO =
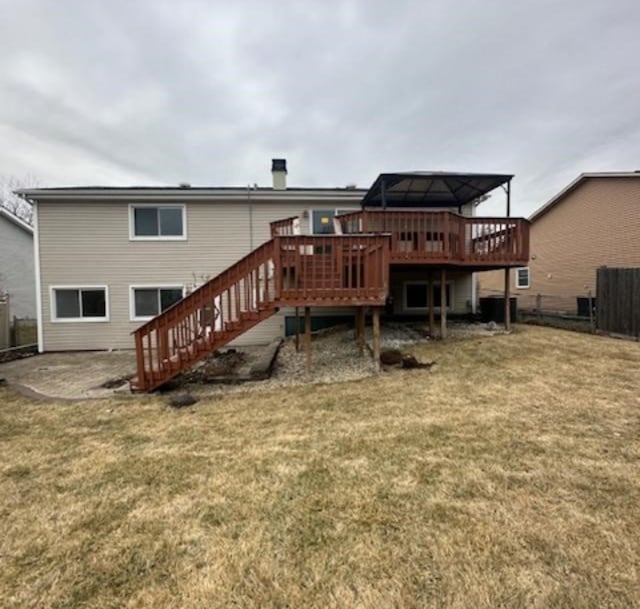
(506, 476)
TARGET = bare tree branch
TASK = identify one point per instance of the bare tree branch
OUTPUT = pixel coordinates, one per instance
(12, 202)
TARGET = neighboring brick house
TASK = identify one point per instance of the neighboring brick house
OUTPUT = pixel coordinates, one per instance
(593, 222)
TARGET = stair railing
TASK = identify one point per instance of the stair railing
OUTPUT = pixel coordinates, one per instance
(218, 309)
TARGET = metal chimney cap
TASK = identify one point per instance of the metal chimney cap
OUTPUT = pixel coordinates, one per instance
(279, 165)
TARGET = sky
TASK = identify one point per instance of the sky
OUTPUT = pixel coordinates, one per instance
(156, 92)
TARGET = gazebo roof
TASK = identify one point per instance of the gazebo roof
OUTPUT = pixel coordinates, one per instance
(430, 188)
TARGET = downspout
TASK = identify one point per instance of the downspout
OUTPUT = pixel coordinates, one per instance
(383, 198)
(474, 278)
(250, 204)
(36, 261)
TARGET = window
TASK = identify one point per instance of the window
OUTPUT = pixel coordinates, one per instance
(147, 302)
(322, 220)
(79, 304)
(416, 295)
(522, 278)
(153, 222)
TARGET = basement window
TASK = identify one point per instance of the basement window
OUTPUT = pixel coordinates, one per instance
(523, 278)
(84, 304)
(147, 302)
(154, 222)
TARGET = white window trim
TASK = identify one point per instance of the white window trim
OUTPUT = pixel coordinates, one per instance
(334, 210)
(517, 282)
(407, 309)
(149, 286)
(134, 237)
(82, 320)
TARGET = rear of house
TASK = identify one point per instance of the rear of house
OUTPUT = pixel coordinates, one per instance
(593, 222)
(108, 260)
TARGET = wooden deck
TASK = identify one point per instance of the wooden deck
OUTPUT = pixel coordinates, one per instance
(350, 268)
(288, 271)
(445, 238)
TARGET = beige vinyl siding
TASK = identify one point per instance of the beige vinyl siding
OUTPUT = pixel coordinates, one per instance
(87, 243)
(596, 224)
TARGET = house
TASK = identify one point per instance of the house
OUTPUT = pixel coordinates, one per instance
(593, 222)
(17, 275)
(187, 270)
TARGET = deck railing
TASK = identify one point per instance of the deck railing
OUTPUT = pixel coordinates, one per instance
(215, 313)
(445, 237)
(327, 269)
(286, 227)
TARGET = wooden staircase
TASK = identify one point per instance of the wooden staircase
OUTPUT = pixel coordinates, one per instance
(289, 271)
(205, 320)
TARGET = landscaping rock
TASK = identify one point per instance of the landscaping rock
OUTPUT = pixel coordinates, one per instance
(395, 358)
(181, 400)
(409, 362)
(391, 357)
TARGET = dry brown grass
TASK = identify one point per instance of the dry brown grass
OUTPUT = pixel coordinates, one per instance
(508, 476)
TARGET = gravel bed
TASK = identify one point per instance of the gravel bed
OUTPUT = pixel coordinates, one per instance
(335, 356)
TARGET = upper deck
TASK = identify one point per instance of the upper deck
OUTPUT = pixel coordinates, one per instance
(436, 237)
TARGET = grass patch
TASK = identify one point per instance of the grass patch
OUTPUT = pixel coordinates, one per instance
(507, 476)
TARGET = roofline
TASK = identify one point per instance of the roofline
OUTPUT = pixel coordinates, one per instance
(17, 221)
(445, 174)
(141, 193)
(573, 185)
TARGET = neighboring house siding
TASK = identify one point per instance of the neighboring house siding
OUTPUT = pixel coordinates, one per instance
(17, 275)
(87, 243)
(596, 224)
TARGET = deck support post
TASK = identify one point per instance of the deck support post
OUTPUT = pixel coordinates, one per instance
(507, 298)
(443, 303)
(376, 338)
(142, 377)
(307, 340)
(432, 307)
(507, 274)
(360, 329)
(297, 329)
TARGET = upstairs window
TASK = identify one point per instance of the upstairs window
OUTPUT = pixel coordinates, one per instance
(151, 222)
(522, 278)
(147, 302)
(79, 304)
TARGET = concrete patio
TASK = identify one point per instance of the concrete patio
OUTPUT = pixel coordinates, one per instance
(69, 376)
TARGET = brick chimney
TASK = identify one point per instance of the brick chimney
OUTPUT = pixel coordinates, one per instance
(279, 173)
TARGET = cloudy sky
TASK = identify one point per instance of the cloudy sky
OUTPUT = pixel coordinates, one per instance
(159, 92)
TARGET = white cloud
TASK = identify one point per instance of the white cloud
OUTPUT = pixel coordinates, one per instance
(208, 92)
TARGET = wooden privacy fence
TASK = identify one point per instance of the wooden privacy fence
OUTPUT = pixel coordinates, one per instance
(618, 301)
